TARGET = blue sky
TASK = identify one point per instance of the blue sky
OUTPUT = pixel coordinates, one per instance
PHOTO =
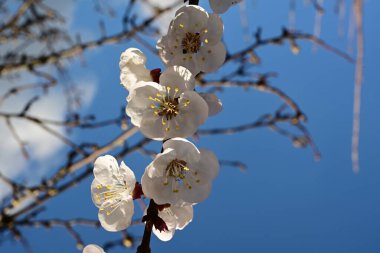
(285, 201)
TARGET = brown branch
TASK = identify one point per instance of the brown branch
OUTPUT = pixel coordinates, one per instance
(290, 36)
(50, 82)
(18, 139)
(23, 8)
(236, 164)
(152, 213)
(261, 85)
(55, 57)
(358, 9)
(69, 225)
(60, 222)
(61, 137)
(127, 241)
(45, 191)
(271, 121)
(14, 186)
(318, 7)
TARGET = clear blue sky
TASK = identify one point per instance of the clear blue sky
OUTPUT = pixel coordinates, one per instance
(285, 201)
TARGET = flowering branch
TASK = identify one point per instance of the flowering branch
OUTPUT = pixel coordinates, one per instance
(174, 105)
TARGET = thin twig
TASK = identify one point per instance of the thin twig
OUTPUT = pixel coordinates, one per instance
(358, 8)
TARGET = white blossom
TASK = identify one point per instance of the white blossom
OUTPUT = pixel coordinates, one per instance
(93, 248)
(174, 218)
(169, 109)
(111, 192)
(221, 6)
(213, 102)
(132, 68)
(193, 41)
(180, 175)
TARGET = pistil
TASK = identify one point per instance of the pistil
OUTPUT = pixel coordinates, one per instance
(191, 43)
(178, 171)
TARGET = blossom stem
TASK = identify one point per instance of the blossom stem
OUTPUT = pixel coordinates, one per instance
(152, 210)
(145, 243)
(194, 2)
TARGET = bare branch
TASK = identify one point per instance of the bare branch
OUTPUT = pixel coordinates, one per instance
(358, 7)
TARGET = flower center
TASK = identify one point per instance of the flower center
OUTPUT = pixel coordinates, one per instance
(111, 193)
(167, 106)
(191, 43)
(178, 171)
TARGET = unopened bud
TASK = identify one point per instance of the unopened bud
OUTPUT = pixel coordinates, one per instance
(300, 142)
(17, 234)
(295, 48)
(52, 192)
(128, 242)
(80, 246)
(295, 121)
(254, 59)
(124, 125)
(137, 191)
(155, 74)
(15, 202)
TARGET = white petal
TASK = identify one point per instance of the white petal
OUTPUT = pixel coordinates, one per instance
(104, 169)
(208, 164)
(128, 175)
(168, 47)
(171, 223)
(191, 116)
(221, 6)
(197, 194)
(95, 189)
(213, 102)
(119, 218)
(211, 58)
(179, 25)
(162, 193)
(185, 124)
(175, 218)
(132, 67)
(155, 189)
(213, 32)
(164, 235)
(132, 56)
(177, 77)
(193, 188)
(93, 248)
(184, 215)
(184, 149)
(189, 61)
(157, 168)
(193, 19)
(139, 102)
(152, 127)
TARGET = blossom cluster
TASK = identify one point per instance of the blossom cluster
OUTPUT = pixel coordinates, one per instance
(166, 107)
